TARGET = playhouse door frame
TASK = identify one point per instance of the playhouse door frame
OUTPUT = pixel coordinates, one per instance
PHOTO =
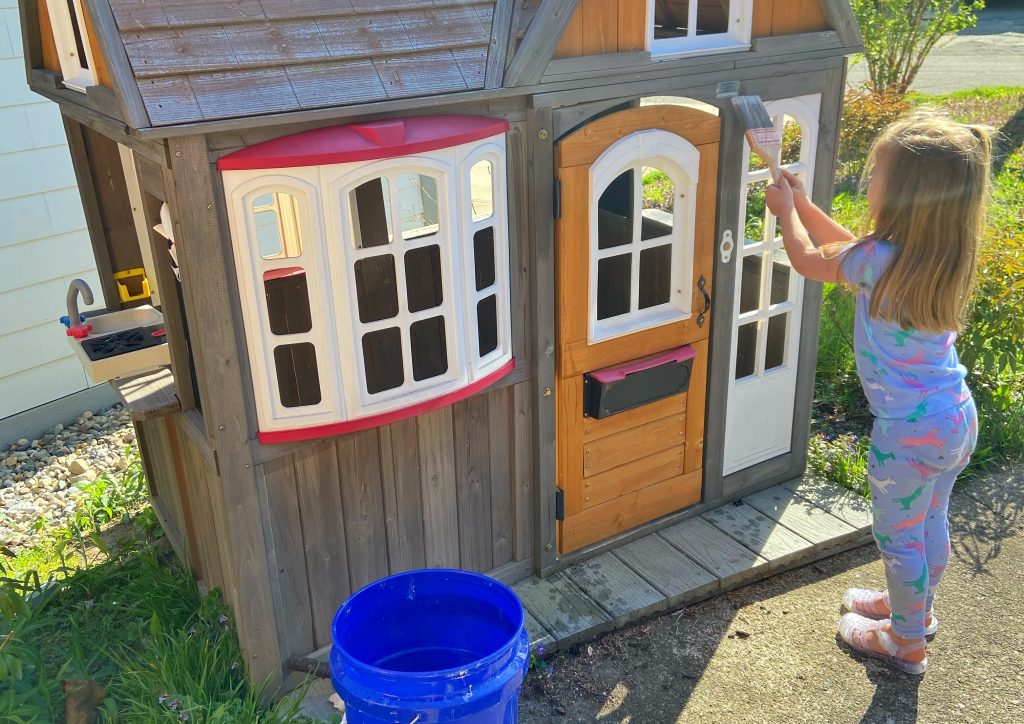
(676, 484)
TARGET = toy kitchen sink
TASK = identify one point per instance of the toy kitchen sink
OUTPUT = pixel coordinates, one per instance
(116, 344)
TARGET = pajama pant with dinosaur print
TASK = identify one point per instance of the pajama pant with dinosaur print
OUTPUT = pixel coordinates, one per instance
(912, 466)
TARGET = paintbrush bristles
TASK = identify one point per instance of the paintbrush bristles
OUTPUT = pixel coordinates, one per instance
(761, 133)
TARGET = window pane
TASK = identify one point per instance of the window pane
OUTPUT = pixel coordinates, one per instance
(417, 203)
(613, 282)
(753, 230)
(791, 137)
(287, 300)
(423, 278)
(483, 257)
(371, 213)
(750, 284)
(277, 225)
(376, 288)
(782, 274)
(615, 212)
(487, 324)
(746, 350)
(297, 379)
(429, 348)
(670, 18)
(658, 197)
(712, 16)
(481, 189)
(655, 276)
(775, 348)
(382, 360)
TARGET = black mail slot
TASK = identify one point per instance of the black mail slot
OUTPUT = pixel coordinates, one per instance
(623, 387)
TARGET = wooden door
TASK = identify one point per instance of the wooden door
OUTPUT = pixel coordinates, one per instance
(635, 246)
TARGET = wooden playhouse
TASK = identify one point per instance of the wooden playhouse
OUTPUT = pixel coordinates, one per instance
(484, 284)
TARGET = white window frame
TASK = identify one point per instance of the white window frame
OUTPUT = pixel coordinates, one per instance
(328, 257)
(75, 76)
(302, 183)
(680, 160)
(737, 37)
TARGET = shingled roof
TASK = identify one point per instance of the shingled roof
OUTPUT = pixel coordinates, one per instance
(200, 60)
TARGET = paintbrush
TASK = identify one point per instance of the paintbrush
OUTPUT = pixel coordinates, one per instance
(764, 140)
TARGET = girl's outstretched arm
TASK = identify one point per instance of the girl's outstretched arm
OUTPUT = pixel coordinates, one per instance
(806, 258)
(820, 226)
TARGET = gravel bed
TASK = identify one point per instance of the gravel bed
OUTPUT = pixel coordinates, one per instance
(38, 478)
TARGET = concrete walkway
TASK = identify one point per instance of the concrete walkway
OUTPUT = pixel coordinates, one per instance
(767, 653)
(987, 55)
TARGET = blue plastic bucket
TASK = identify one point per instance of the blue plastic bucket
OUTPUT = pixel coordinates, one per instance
(430, 646)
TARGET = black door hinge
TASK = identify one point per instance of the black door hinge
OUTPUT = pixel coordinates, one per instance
(559, 504)
(556, 200)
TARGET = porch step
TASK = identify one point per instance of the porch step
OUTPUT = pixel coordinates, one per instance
(760, 535)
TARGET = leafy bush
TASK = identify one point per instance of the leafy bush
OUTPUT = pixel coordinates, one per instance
(842, 459)
(865, 114)
(899, 34)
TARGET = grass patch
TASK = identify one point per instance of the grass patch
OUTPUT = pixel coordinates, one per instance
(992, 346)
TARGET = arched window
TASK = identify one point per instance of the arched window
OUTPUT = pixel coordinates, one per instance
(643, 195)
(384, 274)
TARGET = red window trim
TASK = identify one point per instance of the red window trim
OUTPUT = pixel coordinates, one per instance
(363, 142)
(386, 418)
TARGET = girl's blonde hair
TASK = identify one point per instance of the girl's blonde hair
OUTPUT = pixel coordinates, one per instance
(932, 208)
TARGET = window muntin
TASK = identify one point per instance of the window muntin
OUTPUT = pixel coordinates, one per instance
(683, 26)
(641, 263)
(67, 18)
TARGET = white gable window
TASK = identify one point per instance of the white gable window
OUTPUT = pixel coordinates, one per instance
(692, 26)
(374, 283)
(67, 17)
(642, 211)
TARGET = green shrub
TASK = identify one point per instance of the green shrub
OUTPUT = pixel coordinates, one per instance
(842, 459)
(865, 114)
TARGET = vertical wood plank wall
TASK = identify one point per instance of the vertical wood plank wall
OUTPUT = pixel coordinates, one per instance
(610, 26)
(452, 488)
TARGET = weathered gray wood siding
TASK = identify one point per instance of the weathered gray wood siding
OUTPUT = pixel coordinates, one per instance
(452, 488)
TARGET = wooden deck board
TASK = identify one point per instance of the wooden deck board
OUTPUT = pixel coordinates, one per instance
(677, 577)
(838, 501)
(616, 588)
(800, 516)
(716, 551)
(539, 635)
(562, 608)
(766, 537)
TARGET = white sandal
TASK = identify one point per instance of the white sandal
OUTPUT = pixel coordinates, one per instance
(853, 628)
(875, 604)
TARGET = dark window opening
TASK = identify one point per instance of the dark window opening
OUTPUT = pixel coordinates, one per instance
(613, 285)
(371, 213)
(615, 212)
(746, 350)
(483, 257)
(781, 274)
(423, 278)
(655, 276)
(775, 347)
(382, 360)
(287, 300)
(376, 288)
(297, 378)
(750, 284)
(429, 348)
(487, 324)
(671, 18)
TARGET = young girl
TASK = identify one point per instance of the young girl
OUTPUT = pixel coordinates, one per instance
(927, 190)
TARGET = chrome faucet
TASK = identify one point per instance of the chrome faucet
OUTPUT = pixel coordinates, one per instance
(77, 286)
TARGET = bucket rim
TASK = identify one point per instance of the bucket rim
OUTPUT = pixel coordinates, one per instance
(506, 650)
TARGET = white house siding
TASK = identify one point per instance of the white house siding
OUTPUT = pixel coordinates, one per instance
(43, 240)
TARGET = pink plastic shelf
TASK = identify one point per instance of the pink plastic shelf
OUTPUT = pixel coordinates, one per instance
(363, 142)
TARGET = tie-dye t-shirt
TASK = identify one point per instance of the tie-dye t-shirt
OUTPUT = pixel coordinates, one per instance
(906, 374)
